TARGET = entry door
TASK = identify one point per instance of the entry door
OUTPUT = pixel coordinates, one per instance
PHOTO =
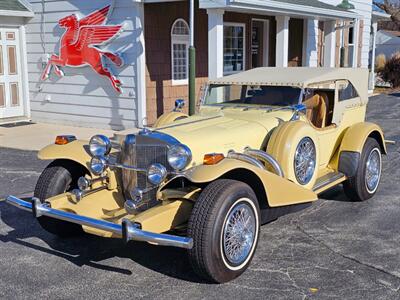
(259, 43)
(11, 102)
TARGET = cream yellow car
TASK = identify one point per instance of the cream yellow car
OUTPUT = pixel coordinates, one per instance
(264, 143)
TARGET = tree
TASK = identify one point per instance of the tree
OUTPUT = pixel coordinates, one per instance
(391, 7)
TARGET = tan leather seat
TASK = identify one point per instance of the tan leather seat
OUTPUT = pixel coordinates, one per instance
(317, 108)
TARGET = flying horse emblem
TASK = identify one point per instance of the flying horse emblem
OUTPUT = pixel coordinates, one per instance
(79, 46)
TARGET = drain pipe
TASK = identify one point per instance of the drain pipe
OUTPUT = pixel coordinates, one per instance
(192, 64)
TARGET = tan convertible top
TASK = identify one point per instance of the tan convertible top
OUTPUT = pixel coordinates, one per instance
(301, 77)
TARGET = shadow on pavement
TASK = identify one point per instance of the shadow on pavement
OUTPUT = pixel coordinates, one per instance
(395, 94)
(88, 250)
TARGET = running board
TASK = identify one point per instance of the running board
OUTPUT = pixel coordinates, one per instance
(328, 181)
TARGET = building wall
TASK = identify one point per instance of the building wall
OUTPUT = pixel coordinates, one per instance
(82, 97)
(159, 18)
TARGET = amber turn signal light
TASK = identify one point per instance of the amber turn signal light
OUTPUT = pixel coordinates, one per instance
(64, 139)
(213, 158)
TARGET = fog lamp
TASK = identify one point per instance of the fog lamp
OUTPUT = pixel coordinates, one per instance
(156, 173)
(98, 165)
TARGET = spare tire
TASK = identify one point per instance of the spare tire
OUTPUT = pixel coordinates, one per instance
(294, 144)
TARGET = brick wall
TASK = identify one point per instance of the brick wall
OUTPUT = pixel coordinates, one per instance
(159, 18)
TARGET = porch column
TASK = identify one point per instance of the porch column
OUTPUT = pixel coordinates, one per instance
(282, 41)
(373, 42)
(310, 43)
(215, 43)
(330, 44)
(356, 38)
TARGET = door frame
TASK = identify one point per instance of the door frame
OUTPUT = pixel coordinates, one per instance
(16, 23)
(265, 39)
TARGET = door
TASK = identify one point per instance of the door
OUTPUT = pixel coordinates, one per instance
(257, 37)
(295, 42)
(11, 102)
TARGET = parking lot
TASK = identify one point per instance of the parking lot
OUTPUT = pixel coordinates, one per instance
(334, 249)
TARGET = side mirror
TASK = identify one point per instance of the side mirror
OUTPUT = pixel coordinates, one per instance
(179, 104)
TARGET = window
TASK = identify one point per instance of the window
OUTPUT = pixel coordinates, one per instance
(234, 52)
(179, 52)
(346, 91)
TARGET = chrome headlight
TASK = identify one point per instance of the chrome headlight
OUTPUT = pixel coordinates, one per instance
(99, 145)
(179, 156)
(98, 165)
(156, 173)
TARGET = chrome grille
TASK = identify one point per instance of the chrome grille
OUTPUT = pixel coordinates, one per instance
(141, 154)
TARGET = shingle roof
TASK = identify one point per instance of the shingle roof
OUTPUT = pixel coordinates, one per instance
(312, 3)
(12, 5)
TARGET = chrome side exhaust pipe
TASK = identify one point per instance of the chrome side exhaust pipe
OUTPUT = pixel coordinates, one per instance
(128, 231)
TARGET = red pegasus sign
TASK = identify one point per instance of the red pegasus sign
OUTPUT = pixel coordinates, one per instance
(79, 46)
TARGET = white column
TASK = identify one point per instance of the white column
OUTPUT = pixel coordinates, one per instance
(282, 41)
(372, 72)
(310, 43)
(215, 43)
(356, 38)
(141, 99)
(330, 44)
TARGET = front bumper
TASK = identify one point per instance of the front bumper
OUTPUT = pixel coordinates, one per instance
(127, 230)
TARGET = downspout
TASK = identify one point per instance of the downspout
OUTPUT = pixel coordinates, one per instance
(192, 64)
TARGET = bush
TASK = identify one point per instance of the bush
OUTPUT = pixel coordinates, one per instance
(380, 62)
(391, 72)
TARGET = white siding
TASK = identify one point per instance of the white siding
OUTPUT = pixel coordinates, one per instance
(363, 8)
(82, 97)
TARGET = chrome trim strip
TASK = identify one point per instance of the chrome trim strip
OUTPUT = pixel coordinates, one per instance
(186, 123)
(246, 158)
(127, 230)
(328, 179)
(264, 156)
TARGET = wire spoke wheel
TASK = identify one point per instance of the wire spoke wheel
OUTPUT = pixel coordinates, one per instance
(304, 160)
(373, 170)
(239, 233)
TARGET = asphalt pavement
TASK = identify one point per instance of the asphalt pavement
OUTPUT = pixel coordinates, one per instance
(334, 249)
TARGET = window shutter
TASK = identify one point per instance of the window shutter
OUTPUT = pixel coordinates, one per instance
(321, 43)
(360, 44)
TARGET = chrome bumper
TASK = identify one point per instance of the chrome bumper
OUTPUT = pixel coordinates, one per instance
(128, 230)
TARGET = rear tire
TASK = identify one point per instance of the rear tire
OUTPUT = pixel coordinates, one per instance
(224, 225)
(365, 183)
(58, 177)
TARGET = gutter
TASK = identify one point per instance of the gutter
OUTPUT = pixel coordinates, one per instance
(279, 7)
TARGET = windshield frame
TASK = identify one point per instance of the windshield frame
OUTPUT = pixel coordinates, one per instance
(244, 105)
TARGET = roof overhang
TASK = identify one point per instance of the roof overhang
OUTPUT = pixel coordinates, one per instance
(277, 7)
(27, 13)
(380, 16)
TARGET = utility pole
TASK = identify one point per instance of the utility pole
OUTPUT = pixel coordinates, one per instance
(192, 64)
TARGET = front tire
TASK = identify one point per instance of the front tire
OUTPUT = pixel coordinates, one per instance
(58, 177)
(365, 183)
(224, 225)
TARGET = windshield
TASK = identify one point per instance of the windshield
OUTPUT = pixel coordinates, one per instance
(252, 95)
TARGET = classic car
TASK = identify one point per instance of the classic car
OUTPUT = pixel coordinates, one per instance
(264, 142)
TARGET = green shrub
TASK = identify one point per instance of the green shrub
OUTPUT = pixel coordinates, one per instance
(391, 72)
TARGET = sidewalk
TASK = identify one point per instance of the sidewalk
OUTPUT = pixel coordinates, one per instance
(36, 136)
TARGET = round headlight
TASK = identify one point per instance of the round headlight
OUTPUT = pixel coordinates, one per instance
(98, 165)
(156, 173)
(99, 145)
(179, 156)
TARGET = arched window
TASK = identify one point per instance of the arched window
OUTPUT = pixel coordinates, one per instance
(179, 52)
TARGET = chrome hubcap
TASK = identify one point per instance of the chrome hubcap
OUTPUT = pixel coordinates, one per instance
(304, 160)
(239, 233)
(373, 170)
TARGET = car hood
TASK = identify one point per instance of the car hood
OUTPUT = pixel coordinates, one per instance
(218, 131)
